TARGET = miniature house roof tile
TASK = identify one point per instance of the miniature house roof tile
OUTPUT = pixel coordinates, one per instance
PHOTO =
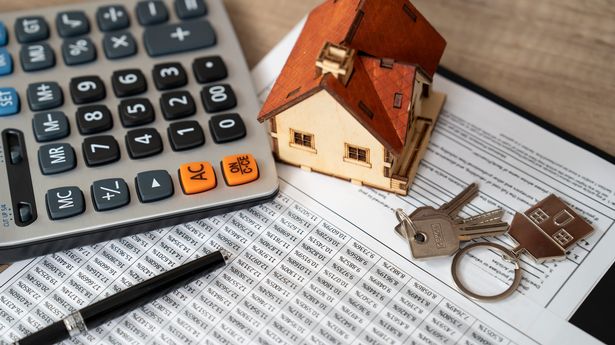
(377, 95)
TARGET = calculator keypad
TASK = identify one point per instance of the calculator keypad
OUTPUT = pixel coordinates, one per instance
(197, 177)
(136, 112)
(56, 158)
(188, 9)
(37, 57)
(154, 185)
(169, 76)
(31, 29)
(50, 126)
(92, 119)
(209, 69)
(64, 202)
(9, 101)
(177, 105)
(119, 45)
(168, 39)
(87, 89)
(100, 150)
(143, 142)
(6, 62)
(152, 12)
(226, 128)
(185, 135)
(44, 96)
(128, 82)
(111, 18)
(97, 147)
(72, 23)
(77, 51)
(110, 194)
(4, 37)
(218, 98)
(239, 169)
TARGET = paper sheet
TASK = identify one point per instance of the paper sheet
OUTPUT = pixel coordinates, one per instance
(311, 267)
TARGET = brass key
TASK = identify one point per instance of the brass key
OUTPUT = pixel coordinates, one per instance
(434, 232)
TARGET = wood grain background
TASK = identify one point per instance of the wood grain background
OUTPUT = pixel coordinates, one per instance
(555, 58)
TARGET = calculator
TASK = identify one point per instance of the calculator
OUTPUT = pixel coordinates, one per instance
(119, 118)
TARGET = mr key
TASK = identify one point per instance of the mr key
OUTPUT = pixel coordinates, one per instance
(433, 232)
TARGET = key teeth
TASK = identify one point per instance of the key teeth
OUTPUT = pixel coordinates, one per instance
(460, 200)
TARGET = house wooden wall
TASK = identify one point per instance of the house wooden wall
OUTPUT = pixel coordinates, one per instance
(332, 127)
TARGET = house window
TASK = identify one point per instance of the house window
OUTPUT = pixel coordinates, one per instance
(563, 237)
(302, 140)
(538, 216)
(357, 154)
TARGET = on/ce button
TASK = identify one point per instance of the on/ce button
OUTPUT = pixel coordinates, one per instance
(239, 169)
(197, 177)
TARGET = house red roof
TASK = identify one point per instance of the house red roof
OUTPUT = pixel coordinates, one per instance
(377, 95)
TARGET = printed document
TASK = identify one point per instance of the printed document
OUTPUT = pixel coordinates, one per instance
(322, 264)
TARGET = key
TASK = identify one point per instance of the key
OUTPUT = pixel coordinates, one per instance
(452, 207)
(547, 230)
(438, 235)
(434, 232)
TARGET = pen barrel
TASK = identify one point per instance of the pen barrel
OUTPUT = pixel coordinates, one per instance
(51, 334)
(149, 290)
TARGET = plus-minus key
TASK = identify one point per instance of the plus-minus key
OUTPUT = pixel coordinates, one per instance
(175, 38)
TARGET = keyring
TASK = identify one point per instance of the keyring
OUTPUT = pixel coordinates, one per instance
(403, 218)
(507, 255)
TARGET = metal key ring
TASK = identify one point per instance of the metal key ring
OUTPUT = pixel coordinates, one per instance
(507, 255)
(403, 217)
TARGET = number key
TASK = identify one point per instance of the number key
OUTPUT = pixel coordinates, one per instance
(143, 142)
(177, 104)
(169, 76)
(100, 150)
(218, 98)
(136, 112)
(94, 119)
(128, 82)
(185, 135)
(87, 89)
(227, 127)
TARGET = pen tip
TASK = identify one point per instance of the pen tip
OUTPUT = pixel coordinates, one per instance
(225, 254)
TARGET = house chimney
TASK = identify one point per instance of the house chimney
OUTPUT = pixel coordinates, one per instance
(337, 60)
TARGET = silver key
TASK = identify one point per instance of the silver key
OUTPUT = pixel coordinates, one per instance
(452, 207)
(434, 232)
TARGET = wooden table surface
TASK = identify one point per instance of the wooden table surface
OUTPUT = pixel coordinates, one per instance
(555, 58)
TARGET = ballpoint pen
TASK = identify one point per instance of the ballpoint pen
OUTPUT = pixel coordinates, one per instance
(124, 301)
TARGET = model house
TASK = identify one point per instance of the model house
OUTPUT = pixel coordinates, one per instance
(548, 229)
(354, 99)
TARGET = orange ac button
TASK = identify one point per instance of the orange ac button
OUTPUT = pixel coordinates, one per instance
(197, 177)
(239, 169)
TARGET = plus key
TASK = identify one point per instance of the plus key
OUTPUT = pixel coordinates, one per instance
(175, 38)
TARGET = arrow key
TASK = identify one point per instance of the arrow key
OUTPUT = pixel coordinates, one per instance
(110, 194)
(185, 135)
(154, 185)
